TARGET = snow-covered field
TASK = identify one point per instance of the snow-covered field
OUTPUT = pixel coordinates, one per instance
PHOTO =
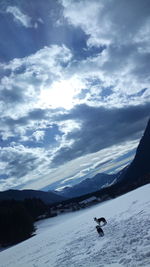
(71, 240)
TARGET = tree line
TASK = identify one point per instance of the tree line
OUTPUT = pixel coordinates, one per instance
(17, 219)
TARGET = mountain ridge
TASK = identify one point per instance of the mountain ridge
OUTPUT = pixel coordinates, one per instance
(46, 197)
(134, 175)
(88, 185)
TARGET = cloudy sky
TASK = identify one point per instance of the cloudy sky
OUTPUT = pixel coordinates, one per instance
(74, 90)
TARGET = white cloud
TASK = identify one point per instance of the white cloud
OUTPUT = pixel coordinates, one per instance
(38, 135)
(36, 90)
(29, 78)
(24, 165)
(21, 91)
(62, 93)
(19, 16)
(123, 27)
(110, 21)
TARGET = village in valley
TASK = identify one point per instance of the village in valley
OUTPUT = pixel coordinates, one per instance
(71, 206)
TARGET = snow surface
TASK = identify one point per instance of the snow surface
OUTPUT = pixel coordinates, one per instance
(71, 240)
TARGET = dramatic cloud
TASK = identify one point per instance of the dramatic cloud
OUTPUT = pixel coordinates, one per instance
(74, 88)
(20, 161)
(24, 90)
(101, 128)
(123, 29)
(121, 22)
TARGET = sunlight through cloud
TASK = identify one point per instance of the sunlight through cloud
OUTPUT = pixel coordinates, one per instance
(61, 94)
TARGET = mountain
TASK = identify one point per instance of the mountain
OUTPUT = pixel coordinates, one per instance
(132, 176)
(139, 169)
(46, 197)
(89, 185)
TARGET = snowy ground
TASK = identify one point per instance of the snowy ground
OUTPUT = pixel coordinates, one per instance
(71, 240)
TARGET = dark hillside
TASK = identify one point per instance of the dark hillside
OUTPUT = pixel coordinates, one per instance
(140, 166)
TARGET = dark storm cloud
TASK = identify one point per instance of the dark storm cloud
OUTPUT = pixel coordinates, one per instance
(20, 165)
(35, 115)
(12, 129)
(101, 128)
(20, 161)
(120, 56)
(11, 96)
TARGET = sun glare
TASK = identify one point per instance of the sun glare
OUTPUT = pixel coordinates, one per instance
(61, 94)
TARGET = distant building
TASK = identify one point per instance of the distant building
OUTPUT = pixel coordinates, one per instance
(89, 200)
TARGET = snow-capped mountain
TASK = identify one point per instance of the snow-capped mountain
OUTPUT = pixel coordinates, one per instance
(47, 197)
(132, 176)
(71, 239)
(88, 185)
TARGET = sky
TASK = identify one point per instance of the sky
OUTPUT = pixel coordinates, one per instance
(74, 89)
